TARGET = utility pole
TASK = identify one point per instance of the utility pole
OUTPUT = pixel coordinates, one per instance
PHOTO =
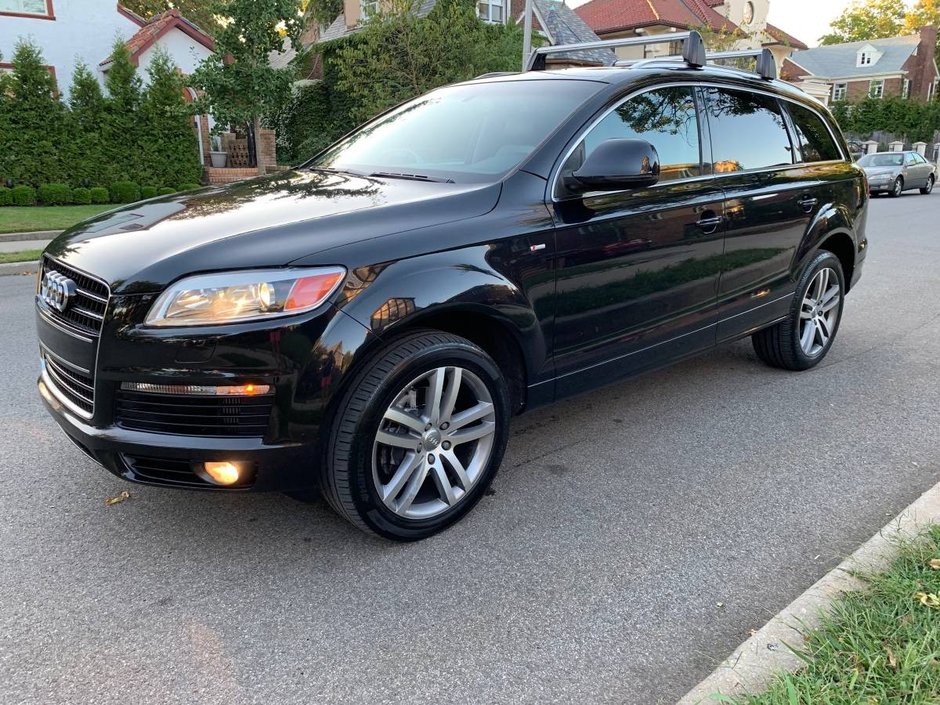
(527, 35)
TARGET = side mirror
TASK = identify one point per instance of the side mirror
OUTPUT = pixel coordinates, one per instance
(615, 165)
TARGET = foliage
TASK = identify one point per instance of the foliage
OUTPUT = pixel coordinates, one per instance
(174, 156)
(99, 194)
(120, 132)
(24, 196)
(398, 55)
(241, 87)
(6, 196)
(88, 107)
(55, 194)
(911, 119)
(165, 191)
(188, 187)
(34, 122)
(867, 19)
(125, 192)
(198, 12)
(81, 196)
(923, 13)
(147, 192)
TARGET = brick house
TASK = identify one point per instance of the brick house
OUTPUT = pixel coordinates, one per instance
(899, 66)
(611, 19)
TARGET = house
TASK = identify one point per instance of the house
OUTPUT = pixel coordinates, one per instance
(73, 31)
(745, 19)
(552, 19)
(899, 66)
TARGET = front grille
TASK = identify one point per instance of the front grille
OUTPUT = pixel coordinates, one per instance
(76, 387)
(194, 415)
(86, 312)
(165, 471)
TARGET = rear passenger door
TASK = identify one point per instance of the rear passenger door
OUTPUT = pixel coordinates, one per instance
(918, 170)
(769, 202)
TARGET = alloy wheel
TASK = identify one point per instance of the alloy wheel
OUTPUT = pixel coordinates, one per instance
(898, 187)
(819, 312)
(434, 442)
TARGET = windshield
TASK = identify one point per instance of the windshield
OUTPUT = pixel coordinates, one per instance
(882, 160)
(469, 133)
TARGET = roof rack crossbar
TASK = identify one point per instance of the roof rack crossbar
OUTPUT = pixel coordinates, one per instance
(693, 48)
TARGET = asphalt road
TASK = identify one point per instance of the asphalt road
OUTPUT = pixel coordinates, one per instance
(636, 535)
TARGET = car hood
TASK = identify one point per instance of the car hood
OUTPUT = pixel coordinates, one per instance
(265, 222)
(881, 170)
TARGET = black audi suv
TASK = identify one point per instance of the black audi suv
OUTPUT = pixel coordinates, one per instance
(367, 323)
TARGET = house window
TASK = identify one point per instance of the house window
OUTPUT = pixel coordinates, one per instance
(906, 88)
(490, 11)
(367, 8)
(39, 8)
(864, 59)
(930, 90)
(876, 89)
(839, 90)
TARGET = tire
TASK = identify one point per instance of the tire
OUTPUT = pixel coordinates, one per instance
(784, 345)
(897, 188)
(929, 187)
(385, 440)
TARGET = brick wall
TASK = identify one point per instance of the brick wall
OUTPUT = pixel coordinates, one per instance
(215, 176)
(920, 68)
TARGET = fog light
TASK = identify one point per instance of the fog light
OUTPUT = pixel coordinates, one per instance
(220, 473)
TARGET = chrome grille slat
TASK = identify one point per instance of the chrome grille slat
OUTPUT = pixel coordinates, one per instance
(86, 312)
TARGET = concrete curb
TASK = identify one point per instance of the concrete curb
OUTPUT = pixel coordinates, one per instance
(25, 237)
(753, 665)
(18, 268)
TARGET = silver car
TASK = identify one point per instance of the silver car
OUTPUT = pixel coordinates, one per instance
(894, 172)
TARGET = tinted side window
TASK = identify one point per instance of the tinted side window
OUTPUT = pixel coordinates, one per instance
(748, 131)
(911, 159)
(665, 118)
(816, 143)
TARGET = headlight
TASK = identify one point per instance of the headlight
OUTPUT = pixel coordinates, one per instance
(232, 297)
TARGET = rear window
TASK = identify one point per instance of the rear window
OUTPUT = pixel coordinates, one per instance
(815, 140)
(748, 131)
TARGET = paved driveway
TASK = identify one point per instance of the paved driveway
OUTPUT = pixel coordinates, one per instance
(634, 538)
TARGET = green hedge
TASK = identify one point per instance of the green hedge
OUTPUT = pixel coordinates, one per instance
(148, 192)
(165, 191)
(125, 192)
(189, 187)
(55, 194)
(24, 196)
(81, 196)
(6, 196)
(99, 194)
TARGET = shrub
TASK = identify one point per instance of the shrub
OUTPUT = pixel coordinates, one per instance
(148, 191)
(124, 192)
(55, 194)
(165, 191)
(81, 196)
(6, 196)
(189, 187)
(99, 194)
(24, 196)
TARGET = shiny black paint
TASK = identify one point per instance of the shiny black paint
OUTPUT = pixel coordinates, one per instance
(584, 290)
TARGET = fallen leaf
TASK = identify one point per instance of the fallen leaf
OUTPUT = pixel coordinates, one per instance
(934, 563)
(928, 599)
(117, 499)
(892, 659)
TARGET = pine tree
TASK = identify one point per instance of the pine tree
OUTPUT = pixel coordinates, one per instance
(6, 147)
(170, 153)
(88, 108)
(35, 121)
(120, 129)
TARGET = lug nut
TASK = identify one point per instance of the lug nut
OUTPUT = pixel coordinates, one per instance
(431, 459)
(445, 426)
(445, 445)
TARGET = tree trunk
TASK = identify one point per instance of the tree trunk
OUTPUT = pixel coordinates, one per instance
(256, 129)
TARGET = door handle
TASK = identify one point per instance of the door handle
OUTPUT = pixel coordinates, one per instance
(807, 203)
(709, 222)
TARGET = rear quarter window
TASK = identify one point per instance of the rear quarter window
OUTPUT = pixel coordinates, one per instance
(748, 131)
(815, 141)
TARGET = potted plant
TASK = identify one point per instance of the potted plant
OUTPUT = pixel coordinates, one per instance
(216, 155)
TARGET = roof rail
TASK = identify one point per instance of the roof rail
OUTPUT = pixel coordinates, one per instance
(693, 47)
(693, 53)
(492, 74)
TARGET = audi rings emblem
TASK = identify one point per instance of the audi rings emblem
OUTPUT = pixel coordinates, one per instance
(56, 290)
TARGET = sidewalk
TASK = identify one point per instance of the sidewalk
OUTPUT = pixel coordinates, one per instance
(20, 245)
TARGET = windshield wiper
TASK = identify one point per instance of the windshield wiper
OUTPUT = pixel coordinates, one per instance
(332, 170)
(413, 177)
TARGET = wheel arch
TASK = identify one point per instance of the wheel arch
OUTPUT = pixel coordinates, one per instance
(842, 246)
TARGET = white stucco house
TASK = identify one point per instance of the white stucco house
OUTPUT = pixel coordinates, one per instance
(73, 31)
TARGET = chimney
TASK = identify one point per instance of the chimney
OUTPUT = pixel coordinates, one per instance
(923, 75)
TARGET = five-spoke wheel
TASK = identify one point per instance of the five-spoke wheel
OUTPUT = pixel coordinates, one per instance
(820, 311)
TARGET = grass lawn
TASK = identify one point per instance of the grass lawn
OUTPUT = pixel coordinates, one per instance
(878, 647)
(24, 219)
(21, 256)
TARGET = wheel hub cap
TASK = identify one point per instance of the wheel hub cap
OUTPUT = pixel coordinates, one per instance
(432, 439)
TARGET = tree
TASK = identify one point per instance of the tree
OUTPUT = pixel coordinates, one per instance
(867, 19)
(120, 130)
(399, 55)
(196, 11)
(923, 13)
(87, 105)
(239, 83)
(33, 135)
(171, 155)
